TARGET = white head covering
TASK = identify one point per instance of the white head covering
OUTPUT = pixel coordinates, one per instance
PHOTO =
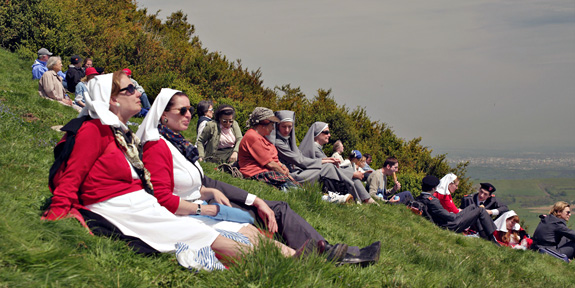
(98, 101)
(306, 146)
(148, 130)
(443, 187)
(501, 224)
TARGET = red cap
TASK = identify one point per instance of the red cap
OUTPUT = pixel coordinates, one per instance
(91, 71)
(127, 71)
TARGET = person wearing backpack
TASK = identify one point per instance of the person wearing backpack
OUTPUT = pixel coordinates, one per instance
(105, 175)
(454, 222)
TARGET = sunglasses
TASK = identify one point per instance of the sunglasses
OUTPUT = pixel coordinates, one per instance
(568, 212)
(224, 121)
(325, 132)
(130, 88)
(185, 109)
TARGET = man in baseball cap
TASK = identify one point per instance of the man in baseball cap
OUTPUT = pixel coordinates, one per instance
(39, 66)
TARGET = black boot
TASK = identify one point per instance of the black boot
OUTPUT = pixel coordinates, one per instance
(367, 256)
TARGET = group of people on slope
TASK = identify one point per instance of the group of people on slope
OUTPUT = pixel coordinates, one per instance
(173, 206)
(54, 84)
(482, 214)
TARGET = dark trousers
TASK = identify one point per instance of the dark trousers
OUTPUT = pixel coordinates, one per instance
(292, 229)
(473, 216)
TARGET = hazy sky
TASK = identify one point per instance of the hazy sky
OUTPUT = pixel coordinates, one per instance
(488, 74)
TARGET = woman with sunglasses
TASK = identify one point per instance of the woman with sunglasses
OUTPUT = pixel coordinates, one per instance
(304, 169)
(258, 157)
(105, 175)
(220, 139)
(552, 232)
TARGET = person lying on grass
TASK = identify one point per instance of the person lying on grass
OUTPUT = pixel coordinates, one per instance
(179, 181)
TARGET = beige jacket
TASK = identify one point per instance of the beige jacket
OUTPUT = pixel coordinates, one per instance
(50, 86)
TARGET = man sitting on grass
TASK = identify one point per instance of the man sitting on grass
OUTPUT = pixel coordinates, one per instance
(454, 222)
(377, 183)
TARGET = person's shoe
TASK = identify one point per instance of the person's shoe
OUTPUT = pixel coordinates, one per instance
(332, 197)
(367, 256)
(332, 252)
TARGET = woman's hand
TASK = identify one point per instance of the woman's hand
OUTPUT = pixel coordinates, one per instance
(357, 175)
(234, 157)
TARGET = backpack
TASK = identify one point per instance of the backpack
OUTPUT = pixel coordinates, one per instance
(64, 148)
(337, 186)
(419, 207)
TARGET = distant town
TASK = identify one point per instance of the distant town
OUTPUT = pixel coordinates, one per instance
(526, 161)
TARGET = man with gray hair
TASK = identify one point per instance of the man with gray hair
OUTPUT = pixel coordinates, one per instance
(39, 66)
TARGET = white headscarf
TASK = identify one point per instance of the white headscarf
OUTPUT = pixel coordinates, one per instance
(501, 224)
(98, 101)
(443, 187)
(307, 145)
(148, 130)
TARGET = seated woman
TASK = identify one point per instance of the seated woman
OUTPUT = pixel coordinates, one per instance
(337, 151)
(258, 157)
(176, 175)
(552, 232)
(509, 232)
(178, 179)
(220, 139)
(304, 169)
(50, 85)
(447, 185)
(311, 146)
(205, 110)
(105, 173)
(81, 89)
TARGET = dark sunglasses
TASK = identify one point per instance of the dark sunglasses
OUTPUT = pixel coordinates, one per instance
(185, 109)
(130, 88)
(325, 132)
(224, 121)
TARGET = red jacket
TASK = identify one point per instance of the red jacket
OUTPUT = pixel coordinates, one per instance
(447, 202)
(158, 160)
(522, 235)
(97, 170)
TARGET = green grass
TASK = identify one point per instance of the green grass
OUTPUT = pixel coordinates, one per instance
(35, 253)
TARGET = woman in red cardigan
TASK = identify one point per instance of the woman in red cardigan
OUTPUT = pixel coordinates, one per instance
(447, 185)
(106, 175)
(177, 175)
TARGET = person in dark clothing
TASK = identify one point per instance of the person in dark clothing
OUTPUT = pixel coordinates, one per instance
(454, 222)
(552, 232)
(75, 72)
(485, 198)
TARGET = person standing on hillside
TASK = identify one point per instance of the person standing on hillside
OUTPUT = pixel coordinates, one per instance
(377, 183)
(485, 198)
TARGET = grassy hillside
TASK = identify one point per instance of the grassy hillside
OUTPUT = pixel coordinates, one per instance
(34, 253)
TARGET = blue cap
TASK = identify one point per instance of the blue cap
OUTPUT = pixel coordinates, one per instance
(355, 154)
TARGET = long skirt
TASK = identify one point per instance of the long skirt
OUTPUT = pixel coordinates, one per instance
(139, 214)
